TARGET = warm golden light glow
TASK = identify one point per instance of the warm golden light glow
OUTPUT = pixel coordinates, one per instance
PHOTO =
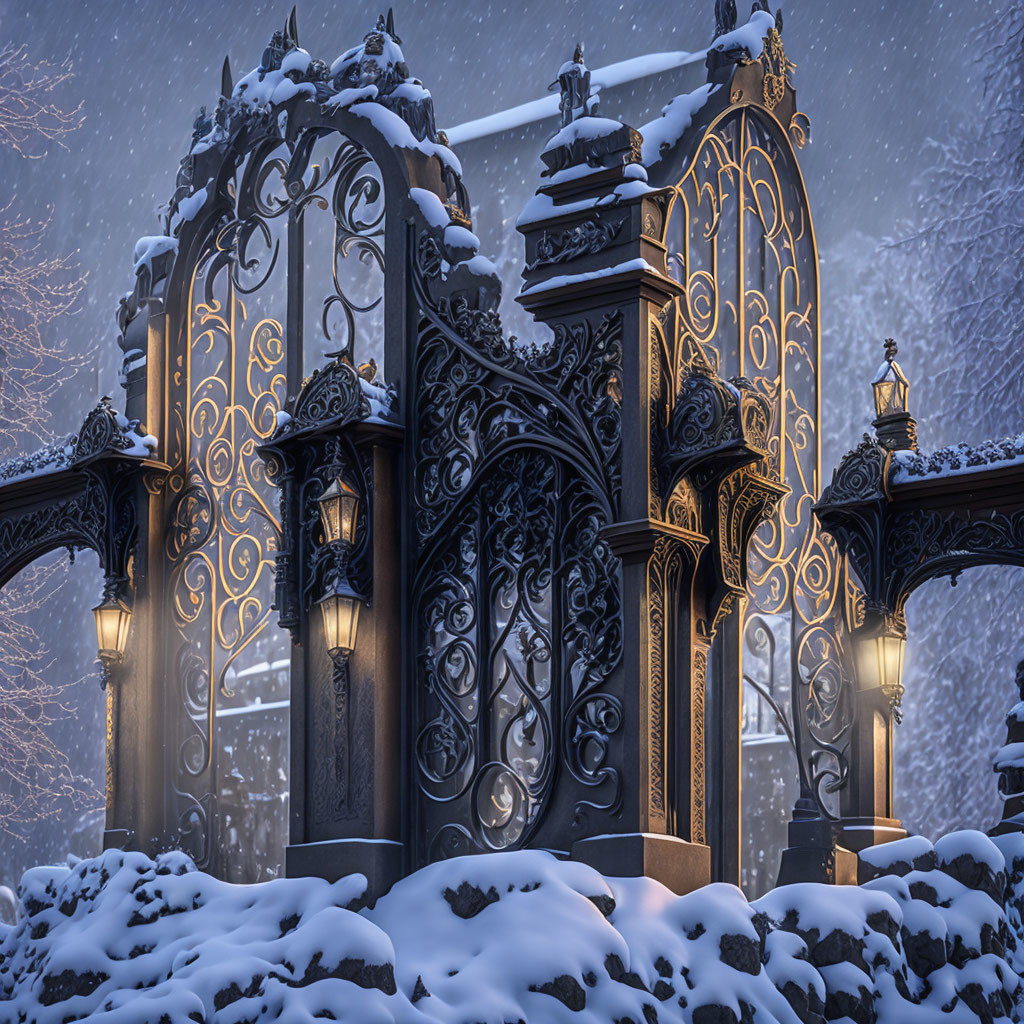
(880, 663)
(891, 387)
(340, 609)
(113, 618)
(339, 511)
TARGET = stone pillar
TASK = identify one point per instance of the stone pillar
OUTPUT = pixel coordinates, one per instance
(137, 808)
(594, 256)
(346, 727)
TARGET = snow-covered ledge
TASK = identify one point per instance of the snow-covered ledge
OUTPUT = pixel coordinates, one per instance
(122, 939)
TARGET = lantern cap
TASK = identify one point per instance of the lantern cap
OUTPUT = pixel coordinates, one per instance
(339, 587)
(889, 371)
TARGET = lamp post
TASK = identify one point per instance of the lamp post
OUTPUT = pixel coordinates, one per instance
(113, 619)
(339, 515)
(339, 607)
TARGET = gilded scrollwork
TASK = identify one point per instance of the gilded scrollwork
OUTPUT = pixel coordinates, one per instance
(741, 243)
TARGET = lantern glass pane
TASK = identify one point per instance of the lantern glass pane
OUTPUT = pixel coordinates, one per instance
(341, 618)
(869, 670)
(347, 517)
(884, 392)
(331, 518)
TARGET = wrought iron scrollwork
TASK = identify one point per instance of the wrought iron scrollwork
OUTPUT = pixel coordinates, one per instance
(515, 600)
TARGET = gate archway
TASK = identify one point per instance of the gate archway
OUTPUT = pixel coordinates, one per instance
(548, 539)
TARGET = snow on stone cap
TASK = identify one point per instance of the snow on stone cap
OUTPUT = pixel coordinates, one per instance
(663, 133)
(48, 459)
(957, 459)
(749, 37)
(582, 129)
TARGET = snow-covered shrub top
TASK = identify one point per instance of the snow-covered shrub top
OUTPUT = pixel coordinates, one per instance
(519, 937)
(956, 459)
(48, 459)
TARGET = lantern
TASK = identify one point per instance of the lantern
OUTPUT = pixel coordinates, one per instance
(340, 610)
(890, 385)
(880, 662)
(339, 511)
(113, 617)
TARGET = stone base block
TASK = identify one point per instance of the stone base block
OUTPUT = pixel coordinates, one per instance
(677, 864)
(835, 866)
(380, 860)
(815, 855)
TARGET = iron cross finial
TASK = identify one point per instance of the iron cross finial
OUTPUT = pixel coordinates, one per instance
(890, 349)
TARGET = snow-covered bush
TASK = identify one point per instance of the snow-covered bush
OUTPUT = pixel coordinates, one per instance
(521, 936)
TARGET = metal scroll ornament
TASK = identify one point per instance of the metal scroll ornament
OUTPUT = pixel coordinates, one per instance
(226, 387)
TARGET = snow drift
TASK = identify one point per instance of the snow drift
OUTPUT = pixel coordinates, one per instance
(512, 937)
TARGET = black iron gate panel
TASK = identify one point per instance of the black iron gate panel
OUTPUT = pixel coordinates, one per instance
(515, 601)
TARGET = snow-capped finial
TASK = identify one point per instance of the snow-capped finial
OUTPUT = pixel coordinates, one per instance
(281, 42)
(725, 17)
(574, 83)
(389, 26)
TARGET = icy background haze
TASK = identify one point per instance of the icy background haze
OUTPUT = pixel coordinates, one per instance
(881, 81)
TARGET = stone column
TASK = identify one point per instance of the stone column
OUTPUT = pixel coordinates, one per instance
(594, 252)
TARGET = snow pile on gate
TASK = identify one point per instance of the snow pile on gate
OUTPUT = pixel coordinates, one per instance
(519, 937)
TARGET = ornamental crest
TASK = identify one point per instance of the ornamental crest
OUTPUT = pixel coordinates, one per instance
(777, 67)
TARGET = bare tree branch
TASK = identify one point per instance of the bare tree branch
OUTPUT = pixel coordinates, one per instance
(30, 115)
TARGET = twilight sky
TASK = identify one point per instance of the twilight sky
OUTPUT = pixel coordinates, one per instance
(877, 77)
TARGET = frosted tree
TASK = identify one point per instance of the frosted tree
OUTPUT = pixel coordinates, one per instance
(948, 285)
(31, 114)
(37, 290)
(36, 777)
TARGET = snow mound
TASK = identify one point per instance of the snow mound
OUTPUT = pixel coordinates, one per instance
(519, 936)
